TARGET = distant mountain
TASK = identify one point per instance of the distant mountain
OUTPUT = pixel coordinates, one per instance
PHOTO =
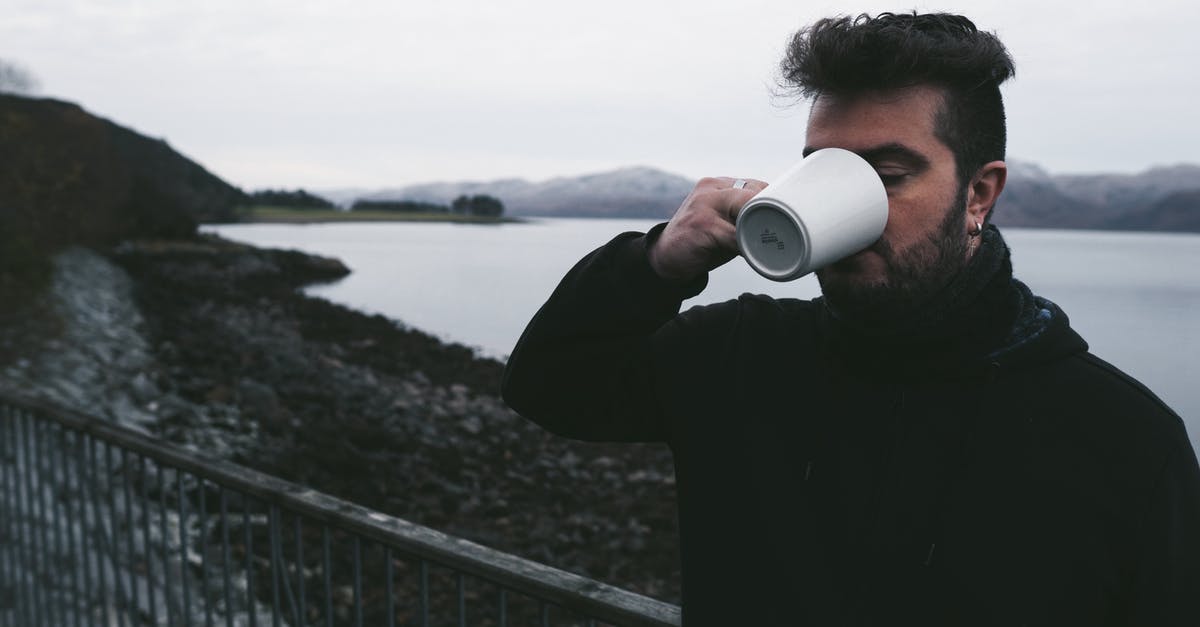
(1162, 198)
(1174, 212)
(343, 196)
(635, 192)
(1159, 199)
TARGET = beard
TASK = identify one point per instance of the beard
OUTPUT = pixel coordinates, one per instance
(912, 277)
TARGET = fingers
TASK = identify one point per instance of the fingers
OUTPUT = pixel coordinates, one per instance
(726, 182)
(725, 237)
(735, 198)
(702, 233)
(755, 185)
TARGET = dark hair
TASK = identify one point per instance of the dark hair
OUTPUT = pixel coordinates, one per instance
(844, 55)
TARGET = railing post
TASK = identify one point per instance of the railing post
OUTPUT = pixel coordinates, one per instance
(85, 547)
(112, 543)
(204, 579)
(165, 551)
(301, 616)
(273, 531)
(37, 603)
(327, 574)
(70, 523)
(8, 517)
(147, 544)
(226, 573)
(50, 475)
(130, 540)
(186, 608)
(248, 539)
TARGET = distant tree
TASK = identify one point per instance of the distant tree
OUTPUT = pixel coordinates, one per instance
(462, 205)
(484, 205)
(15, 79)
(298, 199)
(478, 205)
(406, 206)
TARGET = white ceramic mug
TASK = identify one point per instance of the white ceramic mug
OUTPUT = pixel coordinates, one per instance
(827, 207)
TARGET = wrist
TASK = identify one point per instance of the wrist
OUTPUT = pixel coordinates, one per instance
(685, 288)
(661, 269)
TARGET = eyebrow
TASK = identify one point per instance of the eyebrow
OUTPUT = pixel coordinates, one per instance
(891, 150)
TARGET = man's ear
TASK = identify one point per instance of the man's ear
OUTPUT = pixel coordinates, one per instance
(983, 192)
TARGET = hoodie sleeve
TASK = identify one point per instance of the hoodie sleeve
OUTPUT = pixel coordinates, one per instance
(1167, 582)
(584, 367)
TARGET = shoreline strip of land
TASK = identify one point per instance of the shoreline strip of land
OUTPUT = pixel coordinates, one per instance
(289, 215)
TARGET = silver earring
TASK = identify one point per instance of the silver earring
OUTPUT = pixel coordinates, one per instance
(977, 230)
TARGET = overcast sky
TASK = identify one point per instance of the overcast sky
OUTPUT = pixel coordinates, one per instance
(372, 93)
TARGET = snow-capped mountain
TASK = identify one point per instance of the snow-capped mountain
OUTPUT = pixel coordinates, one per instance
(640, 192)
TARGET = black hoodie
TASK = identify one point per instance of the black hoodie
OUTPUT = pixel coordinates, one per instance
(973, 465)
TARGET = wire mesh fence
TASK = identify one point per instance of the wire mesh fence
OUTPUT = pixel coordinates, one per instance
(102, 525)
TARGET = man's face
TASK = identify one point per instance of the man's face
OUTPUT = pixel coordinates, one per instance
(925, 241)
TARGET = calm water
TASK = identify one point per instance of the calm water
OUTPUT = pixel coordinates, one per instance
(1134, 296)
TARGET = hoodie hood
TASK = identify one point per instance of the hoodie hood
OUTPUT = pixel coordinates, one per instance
(1041, 333)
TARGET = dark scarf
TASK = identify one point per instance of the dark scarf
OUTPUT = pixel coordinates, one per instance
(974, 316)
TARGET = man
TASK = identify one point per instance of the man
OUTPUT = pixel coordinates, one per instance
(928, 443)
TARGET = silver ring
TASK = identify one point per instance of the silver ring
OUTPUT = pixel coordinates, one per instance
(740, 183)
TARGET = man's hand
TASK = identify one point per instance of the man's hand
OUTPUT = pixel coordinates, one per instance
(701, 235)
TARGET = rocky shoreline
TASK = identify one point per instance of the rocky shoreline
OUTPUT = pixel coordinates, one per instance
(210, 344)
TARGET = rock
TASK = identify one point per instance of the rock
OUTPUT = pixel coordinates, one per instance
(143, 388)
(471, 424)
(257, 399)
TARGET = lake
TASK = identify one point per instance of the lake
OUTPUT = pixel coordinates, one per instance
(1135, 297)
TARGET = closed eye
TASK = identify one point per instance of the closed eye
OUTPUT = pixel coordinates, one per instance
(890, 179)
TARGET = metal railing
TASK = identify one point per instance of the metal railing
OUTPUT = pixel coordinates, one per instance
(102, 525)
